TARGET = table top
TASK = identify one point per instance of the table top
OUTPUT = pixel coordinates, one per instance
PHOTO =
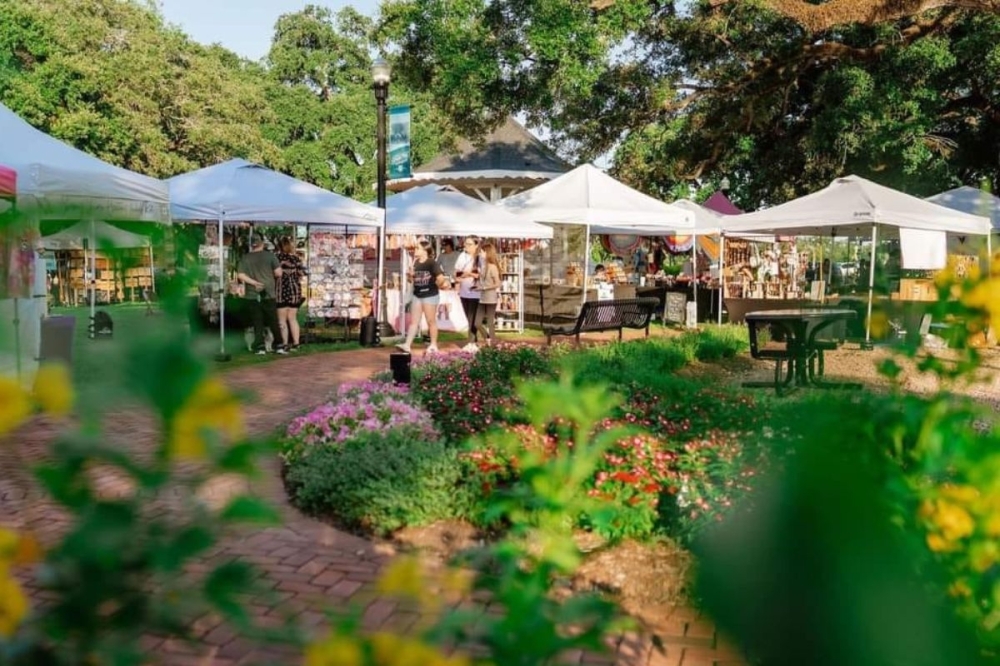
(801, 313)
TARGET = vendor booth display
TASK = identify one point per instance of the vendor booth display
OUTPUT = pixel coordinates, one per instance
(853, 207)
(583, 202)
(120, 268)
(337, 285)
(56, 181)
(438, 211)
(238, 191)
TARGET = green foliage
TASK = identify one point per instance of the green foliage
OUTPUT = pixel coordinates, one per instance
(700, 90)
(380, 482)
(538, 550)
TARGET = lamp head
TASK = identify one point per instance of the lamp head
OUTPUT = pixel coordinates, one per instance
(381, 73)
(724, 184)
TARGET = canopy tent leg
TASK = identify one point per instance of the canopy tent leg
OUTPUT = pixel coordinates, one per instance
(871, 290)
(385, 330)
(694, 281)
(222, 355)
(93, 280)
(722, 274)
(152, 271)
(586, 263)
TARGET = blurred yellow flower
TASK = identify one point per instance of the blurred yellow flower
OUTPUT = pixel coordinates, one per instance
(403, 577)
(938, 543)
(335, 651)
(53, 390)
(879, 324)
(211, 407)
(961, 493)
(954, 521)
(985, 296)
(8, 544)
(15, 405)
(960, 589)
(392, 650)
(13, 604)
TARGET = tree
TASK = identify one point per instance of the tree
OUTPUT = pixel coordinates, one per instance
(693, 91)
(319, 67)
(109, 77)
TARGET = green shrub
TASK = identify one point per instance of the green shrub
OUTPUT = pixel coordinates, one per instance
(380, 482)
(622, 362)
(714, 342)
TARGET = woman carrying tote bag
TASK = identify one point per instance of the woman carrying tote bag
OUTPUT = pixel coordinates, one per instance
(489, 293)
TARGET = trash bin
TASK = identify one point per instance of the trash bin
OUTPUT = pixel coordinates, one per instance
(57, 339)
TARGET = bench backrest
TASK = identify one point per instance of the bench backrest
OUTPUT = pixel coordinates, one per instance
(622, 312)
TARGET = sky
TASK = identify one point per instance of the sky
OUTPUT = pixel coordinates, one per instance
(243, 26)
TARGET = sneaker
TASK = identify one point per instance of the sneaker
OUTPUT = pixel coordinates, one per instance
(261, 352)
(281, 350)
(472, 347)
(432, 350)
(403, 347)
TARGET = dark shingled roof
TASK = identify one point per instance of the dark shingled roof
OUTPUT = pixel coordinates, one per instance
(510, 147)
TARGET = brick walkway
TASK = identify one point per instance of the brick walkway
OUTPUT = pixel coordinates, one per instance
(309, 566)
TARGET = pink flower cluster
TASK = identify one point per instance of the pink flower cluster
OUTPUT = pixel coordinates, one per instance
(362, 407)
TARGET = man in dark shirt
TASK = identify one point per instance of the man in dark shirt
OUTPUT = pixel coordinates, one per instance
(258, 271)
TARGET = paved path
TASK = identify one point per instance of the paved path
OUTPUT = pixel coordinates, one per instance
(310, 567)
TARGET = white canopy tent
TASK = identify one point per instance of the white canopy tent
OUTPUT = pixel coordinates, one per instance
(100, 234)
(854, 206)
(969, 200)
(436, 210)
(444, 211)
(588, 196)
(240, 191)
(56, 180)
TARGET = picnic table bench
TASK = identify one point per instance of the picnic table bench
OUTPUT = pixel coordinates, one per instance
(803, 353)
(616, 314)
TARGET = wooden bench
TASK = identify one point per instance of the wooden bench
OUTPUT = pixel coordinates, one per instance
(617, 314)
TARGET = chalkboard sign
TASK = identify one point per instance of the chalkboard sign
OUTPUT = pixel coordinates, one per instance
(675, 307)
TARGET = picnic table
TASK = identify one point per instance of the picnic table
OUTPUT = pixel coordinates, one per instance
(800, 362)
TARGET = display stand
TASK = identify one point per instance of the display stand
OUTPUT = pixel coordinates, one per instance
(510, 301)
(336, 283)
(211, 290)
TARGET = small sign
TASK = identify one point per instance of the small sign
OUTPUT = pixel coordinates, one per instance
(399, 142)
(675, 307)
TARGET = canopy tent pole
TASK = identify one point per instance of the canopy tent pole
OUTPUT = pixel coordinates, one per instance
(383, 308)
(93, 280)
(722, 274)
(223, 356)
(694, 276)
(871, 289)
(152, 270)
(586, 263)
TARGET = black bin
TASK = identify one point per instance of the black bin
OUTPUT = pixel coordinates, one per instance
(368, 332)
(57, 339)
(399, 363)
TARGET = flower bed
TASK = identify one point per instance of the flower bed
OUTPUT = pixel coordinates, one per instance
(681, 464)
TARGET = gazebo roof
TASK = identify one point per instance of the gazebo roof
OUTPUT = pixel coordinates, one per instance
(510, 152)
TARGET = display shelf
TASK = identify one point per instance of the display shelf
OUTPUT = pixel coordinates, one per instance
(336, 264)
(510, 305)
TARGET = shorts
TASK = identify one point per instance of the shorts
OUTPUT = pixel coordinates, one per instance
(295, 305)
(428, 300)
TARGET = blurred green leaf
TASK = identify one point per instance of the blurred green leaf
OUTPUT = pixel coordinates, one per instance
(247, 509)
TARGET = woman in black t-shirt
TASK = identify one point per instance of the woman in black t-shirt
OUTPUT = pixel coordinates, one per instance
(428, 279)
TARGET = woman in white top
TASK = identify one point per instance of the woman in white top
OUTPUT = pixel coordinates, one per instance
(467, 273)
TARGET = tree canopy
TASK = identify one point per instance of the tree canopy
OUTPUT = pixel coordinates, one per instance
(112, 78)
(780, 96)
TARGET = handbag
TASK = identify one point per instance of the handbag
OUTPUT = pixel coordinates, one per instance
(237, 288)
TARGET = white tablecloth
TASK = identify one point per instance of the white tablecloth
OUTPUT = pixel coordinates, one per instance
(450, 317)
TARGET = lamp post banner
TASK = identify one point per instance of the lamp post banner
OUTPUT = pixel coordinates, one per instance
(399, 142)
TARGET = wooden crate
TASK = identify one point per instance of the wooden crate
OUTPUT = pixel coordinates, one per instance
(917, 289)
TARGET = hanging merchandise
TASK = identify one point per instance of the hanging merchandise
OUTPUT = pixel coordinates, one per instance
(679, 244)
(337, 275)
(621, 245)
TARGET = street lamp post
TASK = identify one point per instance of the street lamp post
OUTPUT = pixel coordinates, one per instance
(381, 75)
